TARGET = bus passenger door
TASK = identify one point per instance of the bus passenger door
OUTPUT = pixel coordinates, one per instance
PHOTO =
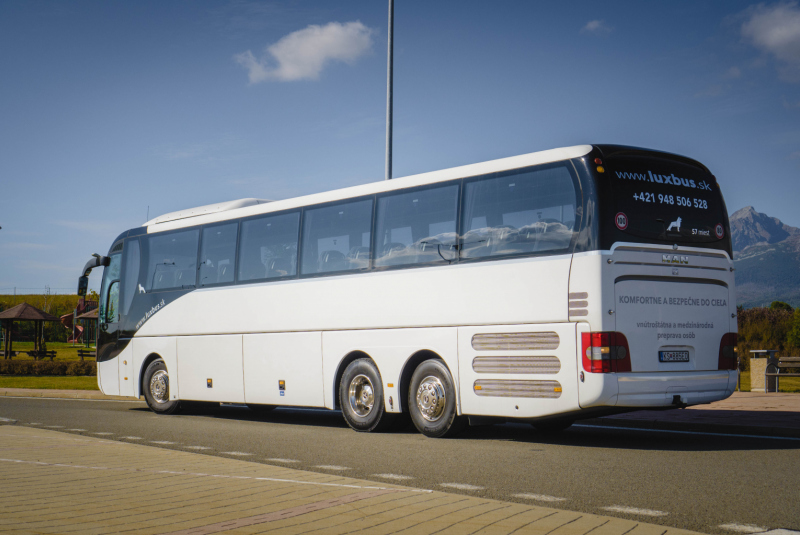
(128, 281)
(108, 325)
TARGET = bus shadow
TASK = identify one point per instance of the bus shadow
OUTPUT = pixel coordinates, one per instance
(581, 435)
(281, 415)
(587, 435)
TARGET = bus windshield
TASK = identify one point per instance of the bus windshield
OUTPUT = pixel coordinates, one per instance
(663, 200)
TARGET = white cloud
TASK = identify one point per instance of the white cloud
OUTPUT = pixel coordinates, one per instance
(597, 27)
(303, 54)
(775, 29)
(789, 105)
(734, 72)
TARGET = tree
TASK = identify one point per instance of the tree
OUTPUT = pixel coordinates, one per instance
(794, 335)
(780, 305)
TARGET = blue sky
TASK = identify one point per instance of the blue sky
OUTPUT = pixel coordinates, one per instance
(108, 108)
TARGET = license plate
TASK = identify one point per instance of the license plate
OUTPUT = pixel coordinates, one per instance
(673, 356)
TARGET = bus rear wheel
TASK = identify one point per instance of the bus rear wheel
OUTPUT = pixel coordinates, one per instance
(432, 401)
(156, 389)
(361, 397)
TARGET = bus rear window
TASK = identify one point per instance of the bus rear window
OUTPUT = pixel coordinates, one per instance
(663, 200)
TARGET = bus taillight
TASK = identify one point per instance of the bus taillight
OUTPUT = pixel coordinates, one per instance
(727, 351)
(605, 352)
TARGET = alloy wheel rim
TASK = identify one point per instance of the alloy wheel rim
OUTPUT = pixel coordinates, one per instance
(361, 395)
(431, 398)
(159, 386)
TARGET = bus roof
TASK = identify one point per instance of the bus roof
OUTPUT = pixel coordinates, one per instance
(247, 207)
(207, 209)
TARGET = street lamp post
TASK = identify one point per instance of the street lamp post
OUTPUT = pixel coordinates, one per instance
(389, 93)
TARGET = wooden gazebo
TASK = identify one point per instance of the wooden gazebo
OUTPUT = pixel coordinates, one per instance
(24, 312)
(89, 320)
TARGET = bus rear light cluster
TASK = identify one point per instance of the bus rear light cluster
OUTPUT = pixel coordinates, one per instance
(727, 351)
(605, 352)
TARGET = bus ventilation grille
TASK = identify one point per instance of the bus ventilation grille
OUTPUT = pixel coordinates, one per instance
(537, 364)
(515, 341)
(578, 304)
(517, 389)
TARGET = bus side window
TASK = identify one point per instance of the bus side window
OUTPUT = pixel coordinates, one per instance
(337, 237)
(268, 248)
(131, 274)
(217, 254)
(416, 227)
(112, 308)
(110, 290)
(518, 213)
(172, 260)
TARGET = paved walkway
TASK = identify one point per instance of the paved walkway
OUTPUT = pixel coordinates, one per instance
(53, 482)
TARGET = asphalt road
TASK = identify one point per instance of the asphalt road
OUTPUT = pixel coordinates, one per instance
(687, 480)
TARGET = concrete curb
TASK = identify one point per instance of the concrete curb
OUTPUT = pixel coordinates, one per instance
(666, 425)
(58, 394)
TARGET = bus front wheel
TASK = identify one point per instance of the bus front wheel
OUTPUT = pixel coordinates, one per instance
(156, 389)
(432, 401)
(361, 397)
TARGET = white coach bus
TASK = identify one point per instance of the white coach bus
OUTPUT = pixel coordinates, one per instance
(548, 287)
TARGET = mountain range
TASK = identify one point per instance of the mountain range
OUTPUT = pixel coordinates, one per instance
(766, 256)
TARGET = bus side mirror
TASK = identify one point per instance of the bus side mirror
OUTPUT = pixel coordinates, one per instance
(83, 285)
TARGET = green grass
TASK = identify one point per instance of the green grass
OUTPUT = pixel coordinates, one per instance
(65, 352)
(58, 383)
(788, 384)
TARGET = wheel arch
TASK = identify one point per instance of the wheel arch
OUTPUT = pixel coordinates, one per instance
(343, 364)
(145, 363)
(410, 365)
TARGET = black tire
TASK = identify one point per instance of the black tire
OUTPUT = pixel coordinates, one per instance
(361, 397)
(156, 389)
(260, 409)
(432, 401)
(552, 426)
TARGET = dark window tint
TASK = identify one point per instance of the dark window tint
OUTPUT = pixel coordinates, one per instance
(268, 248)
(337, 238)
(172, 260)
(663, 200)
(218, 254)
(416, 227)
(519, 212)
(132, 259)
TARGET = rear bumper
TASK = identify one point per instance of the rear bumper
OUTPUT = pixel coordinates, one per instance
(660, 389)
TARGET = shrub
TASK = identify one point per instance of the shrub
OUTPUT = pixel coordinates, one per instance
(794, 335)
(27, 367)
(764, 328)
(81, 367)
(12, 367)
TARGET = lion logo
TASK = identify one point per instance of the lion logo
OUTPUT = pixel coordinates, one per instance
(675, 225)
